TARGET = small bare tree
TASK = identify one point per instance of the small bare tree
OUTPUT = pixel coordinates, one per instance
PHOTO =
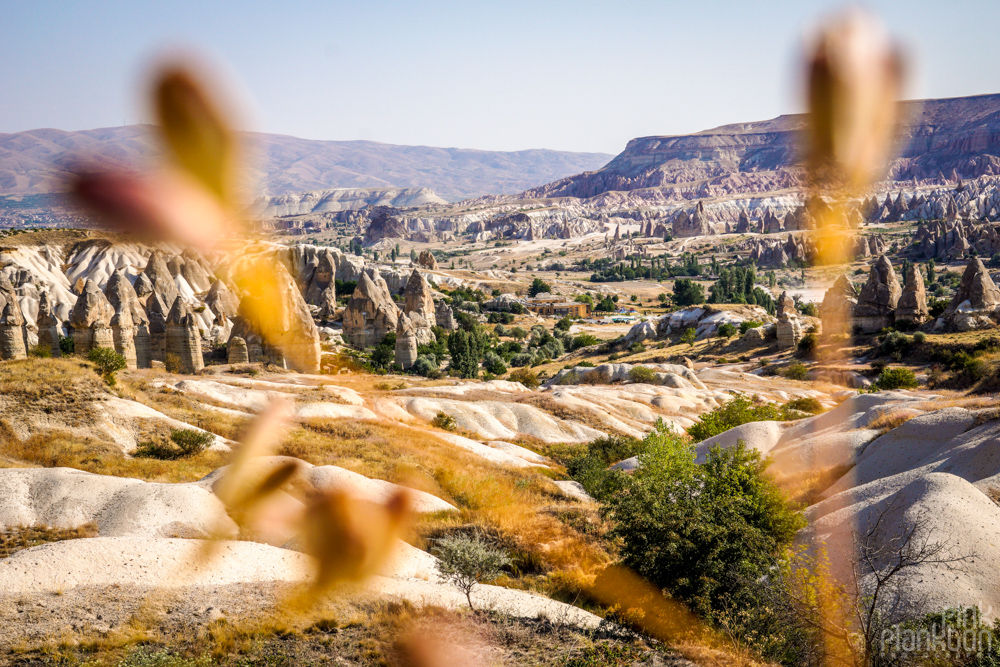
(851, 615)
(881, 590)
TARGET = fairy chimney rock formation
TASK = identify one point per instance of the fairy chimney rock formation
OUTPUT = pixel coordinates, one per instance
(879, 297)
(128, 318)
(837, 309)
(276, 324)
(91, 320)
(238, 351)
(419, 307)
(370, 313)
(788, 327)
(445, 316)
(183, 340)
(912, 304)
(426, 260)
(48, 326)
(161, 278)
(406, 342)
(221, 301)
(156, 313)
(976, 302)
(143, 288)
(12, 323)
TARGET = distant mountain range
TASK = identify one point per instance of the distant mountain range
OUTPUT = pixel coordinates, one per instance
(37, 161)
(943, 139)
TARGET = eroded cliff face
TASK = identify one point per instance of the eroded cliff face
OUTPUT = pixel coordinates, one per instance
(942, 140)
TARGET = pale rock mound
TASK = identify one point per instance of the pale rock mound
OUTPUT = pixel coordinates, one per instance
(67, 498)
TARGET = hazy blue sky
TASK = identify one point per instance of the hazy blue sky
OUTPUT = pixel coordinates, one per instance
(578, 75)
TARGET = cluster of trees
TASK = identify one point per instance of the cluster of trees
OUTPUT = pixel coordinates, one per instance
(635, 268)
(738, 285)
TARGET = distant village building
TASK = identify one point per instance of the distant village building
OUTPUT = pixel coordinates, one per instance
(556, 306)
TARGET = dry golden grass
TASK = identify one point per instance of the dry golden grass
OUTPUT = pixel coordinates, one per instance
(807, 489)
(16, 538)
(889, 420)
(490, 497)
(57, 448)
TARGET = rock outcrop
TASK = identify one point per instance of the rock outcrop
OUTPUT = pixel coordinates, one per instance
(419, 307)
(371, 313)
(384, 224)
(320, 290)
(976, 302)
(912, 305)
(877, 302)
(156, 313)
(162, 280)
(695, 224)
(237, 351)
(445, 316)
(49, 327)
(276, 324)
(91, 320)
(129, 325)
(406, 342)
(183, 340)
(788, 327)
(221, 300)
(12, 324)
(837, 309)
(426, 260)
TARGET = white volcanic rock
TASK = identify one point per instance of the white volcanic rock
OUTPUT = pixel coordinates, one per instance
(67, 498)
(341, 199)
(309, 479)
(497, 420)
(491, 454)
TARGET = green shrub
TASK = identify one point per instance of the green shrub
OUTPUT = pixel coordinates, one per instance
(726, 330)
(444, 421)
(494, 364)
(893, 342)
(526, 377)
(425, 366)
(465, 561)
(191, 441)
(583, 340)
(747, 325)
(920, 338)
(805, 404)
(807, 344)
(564, 324)
(591, 469)
(689, 336)
(183, 442)
(896, 378)
(108, 363)
(67, 345)
(795, 371)
(740, 410)
(40, 352)
(703, 533)
(636, 348)
(643, 375)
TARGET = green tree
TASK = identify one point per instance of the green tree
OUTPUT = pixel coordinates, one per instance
(689, 336)
(700, 532)
(466, 561)
(538, 286)
(688, 293)
(108, 363)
